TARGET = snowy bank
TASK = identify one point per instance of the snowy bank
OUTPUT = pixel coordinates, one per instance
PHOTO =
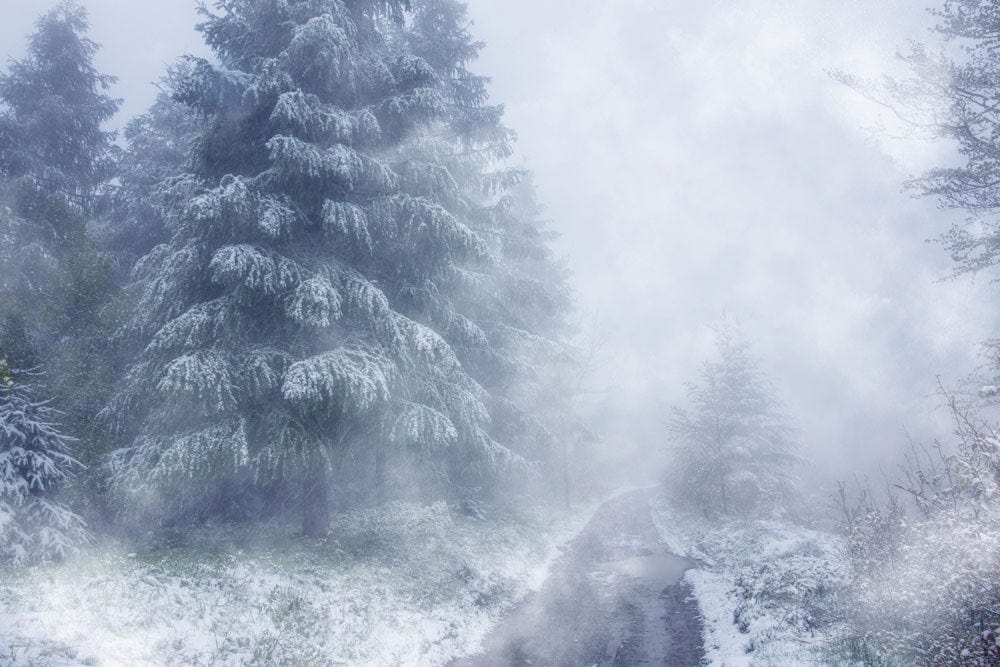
(766, 589)
(403, 584)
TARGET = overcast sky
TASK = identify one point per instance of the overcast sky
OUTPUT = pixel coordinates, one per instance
(697, 159)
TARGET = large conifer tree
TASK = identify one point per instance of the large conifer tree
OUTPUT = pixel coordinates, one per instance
(336, 288)
(504, 318)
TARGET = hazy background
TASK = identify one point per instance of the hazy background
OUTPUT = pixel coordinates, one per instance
(697, 159)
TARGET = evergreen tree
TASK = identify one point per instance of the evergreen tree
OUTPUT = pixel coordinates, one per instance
(951, 93)
(328, 287)
(506, 319)
(54, 158)
(52, 126)
(151, 172)
(34, 462)
(733, 448)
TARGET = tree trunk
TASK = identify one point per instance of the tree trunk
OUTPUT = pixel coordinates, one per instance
(565, 462)
(725, 501)
(316, 504)
(380, 474)
(275, 494)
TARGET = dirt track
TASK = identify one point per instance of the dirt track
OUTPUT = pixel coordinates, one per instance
(614, 597)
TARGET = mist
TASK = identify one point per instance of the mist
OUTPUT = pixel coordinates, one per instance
(699, 160)
(702, 166)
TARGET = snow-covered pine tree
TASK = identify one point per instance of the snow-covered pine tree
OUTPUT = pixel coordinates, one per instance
(51, 128)
(506, 318)
(733, 448)
(54, 157)
(34, 462)
(277, 327)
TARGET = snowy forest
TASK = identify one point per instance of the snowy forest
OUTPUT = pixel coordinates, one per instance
(425, 332)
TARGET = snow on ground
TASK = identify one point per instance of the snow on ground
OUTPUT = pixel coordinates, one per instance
(767, 590)
(403, 584)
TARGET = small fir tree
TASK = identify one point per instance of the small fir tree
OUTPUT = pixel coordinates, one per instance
(732, 448)
(34, 462)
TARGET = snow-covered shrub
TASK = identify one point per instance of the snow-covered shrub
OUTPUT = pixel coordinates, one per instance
(926, 574)
(768, 590)
(34, 461)
(785, 579)
(795, 584)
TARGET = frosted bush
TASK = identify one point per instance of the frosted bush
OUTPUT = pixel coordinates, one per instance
(925, 583)
(34, 462)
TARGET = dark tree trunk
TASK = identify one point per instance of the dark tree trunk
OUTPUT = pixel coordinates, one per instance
(341, 489)
(316, 504)
(380, 474)
(275, 495)
(725, 500)
(565, 467)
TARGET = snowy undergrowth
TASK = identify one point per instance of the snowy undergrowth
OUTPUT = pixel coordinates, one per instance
(403, 584)
(767, 590)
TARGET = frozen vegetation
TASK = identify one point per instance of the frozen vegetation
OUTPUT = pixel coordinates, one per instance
(290, 374)
(401, 584)
(901, 575)
(309, 341)
(768, 590)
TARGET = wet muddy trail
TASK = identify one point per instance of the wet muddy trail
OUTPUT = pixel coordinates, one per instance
(615, 597)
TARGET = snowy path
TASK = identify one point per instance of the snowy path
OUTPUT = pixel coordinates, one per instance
(614, 597)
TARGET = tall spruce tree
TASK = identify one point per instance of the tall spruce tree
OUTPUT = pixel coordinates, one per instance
(330, 287)
(54, 158)
(52, 126)
(507, 319)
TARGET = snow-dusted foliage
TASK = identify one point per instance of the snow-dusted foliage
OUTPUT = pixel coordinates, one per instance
(34, 461)
(925, 587)
(950, 93)
(151, 173)
(335, 197)
(510, 280)
(351, 382)
(54, 108)
(769, 591)
(403, 584)
(422, 426)
(732, 450)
